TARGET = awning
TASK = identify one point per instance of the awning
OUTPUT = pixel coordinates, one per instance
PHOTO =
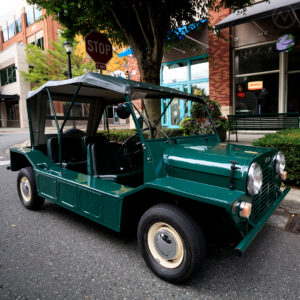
(259, 11)
(9, 97)
(179, 31)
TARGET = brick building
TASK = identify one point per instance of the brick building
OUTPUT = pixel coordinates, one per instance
(247, 72)
(22, 26)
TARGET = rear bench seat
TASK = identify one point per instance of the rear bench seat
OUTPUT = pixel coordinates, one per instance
(72, 155)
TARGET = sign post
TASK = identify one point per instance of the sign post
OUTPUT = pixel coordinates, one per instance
(98, 48)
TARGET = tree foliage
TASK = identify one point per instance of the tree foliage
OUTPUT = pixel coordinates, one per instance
(52, 64)
(145, 25)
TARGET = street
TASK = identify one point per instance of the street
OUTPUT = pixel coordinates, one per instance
(56, 254)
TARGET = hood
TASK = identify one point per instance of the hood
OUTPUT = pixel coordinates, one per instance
(213, 159)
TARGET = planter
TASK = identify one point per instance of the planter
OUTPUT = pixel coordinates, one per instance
(222, 133)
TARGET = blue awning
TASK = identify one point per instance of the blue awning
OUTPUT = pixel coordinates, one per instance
(180, 32)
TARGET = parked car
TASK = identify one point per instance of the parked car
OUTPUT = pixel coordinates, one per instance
(171, 189)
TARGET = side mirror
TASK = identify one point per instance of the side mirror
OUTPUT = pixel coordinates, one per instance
(123, 111)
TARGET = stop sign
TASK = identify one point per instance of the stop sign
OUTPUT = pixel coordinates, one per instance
(98, 48)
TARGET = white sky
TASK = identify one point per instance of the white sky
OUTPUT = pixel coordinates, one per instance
(7, 7)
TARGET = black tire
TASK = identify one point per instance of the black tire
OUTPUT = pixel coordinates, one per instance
(165, 225)
(27, 189)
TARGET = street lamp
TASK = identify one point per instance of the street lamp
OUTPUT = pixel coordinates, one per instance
(68, 47)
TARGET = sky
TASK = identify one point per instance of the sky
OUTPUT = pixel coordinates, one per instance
(6, 6)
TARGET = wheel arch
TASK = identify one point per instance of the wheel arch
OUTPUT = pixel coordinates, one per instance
(135, 205)
(18, 161)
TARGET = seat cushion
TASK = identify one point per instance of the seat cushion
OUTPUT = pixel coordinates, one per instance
(86, 140)
(70, 147)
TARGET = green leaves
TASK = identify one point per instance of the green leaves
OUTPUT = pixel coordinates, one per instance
(288, 141)
(52, 64)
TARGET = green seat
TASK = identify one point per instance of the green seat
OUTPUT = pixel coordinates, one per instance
(106, 161)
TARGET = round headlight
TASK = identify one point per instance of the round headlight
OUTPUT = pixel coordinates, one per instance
(280, 163)
(255, 179)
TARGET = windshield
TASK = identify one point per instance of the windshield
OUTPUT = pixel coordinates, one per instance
(201, 120)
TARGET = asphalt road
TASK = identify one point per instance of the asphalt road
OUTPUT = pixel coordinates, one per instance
(56, 254)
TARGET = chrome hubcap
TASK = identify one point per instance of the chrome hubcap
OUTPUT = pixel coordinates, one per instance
(165, 245)
(25, 189)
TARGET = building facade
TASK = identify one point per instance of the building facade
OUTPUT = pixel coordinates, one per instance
(24, 25)
(240, 64)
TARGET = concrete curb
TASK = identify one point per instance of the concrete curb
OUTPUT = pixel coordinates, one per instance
(291, 202)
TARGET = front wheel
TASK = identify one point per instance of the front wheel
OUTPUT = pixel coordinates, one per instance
(171, 242)
(27, 189)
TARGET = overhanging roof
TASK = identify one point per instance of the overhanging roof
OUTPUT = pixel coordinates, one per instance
(12, 97)
(259, 11)
(109, 89)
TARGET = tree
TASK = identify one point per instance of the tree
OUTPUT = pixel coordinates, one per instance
(52, 64)
(145, 25)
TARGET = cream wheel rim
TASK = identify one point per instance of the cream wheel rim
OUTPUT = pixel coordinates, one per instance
(25, 189)
(165, 245)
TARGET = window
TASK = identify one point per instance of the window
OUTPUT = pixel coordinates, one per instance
(199, 69)
(32, 15)
(18, 25)
(176, 72)
(190, 76)
(256, 80)
(39, 43)
(8, 75)
(5, 34)
(37, 13)
(11, 30)
(256, 59)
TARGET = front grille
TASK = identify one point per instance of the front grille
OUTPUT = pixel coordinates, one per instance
(265, 197)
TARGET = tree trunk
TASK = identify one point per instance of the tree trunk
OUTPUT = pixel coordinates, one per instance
(150, 73)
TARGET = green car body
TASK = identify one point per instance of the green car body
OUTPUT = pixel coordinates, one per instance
(194, 172)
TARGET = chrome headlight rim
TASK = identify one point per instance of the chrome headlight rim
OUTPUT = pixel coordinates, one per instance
(255, 179)
(280, 163)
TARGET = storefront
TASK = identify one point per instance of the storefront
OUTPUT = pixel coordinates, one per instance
(188, 75)
(265, 51)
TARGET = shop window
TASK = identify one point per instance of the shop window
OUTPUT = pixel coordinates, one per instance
(8, 75)
(30, 16)
(199, 69)
(200, 89)
(18, 25)
(190, 76)
(12, 109)
(5, 34)
(176, 72)
(257, 94)
(293, 104)
(294, 60)
(256, 59)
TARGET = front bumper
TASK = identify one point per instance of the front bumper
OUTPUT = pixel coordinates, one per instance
(246, 241)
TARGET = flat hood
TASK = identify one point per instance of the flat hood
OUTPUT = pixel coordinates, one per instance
(213, 159)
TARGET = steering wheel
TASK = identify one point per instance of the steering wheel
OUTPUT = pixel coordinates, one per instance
(128, 154)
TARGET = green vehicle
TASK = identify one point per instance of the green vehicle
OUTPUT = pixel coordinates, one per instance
(176, 191)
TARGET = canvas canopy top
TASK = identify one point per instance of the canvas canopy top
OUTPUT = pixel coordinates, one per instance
(109, 89)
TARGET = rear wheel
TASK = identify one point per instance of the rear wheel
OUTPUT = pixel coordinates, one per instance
(27, 189)
(171, 242)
